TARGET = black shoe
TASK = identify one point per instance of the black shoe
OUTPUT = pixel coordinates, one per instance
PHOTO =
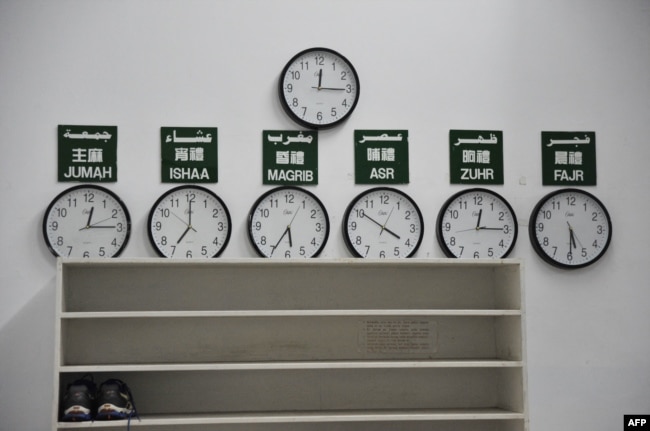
(114, 401)
(79, 401)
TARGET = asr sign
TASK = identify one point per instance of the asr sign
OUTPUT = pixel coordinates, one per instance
(87, 153)
(189, 154)
(289, 157)
(381, 157)
(569, 158)
(476, 157)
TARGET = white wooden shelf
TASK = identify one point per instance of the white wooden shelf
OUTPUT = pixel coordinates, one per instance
(256, 344)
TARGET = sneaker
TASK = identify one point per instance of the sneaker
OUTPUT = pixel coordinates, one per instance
(79, 400)
(114, 401)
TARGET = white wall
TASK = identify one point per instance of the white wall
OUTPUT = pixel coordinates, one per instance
(426, 66)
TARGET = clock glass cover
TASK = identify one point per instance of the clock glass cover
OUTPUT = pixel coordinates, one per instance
(570, 228)
(476, 223)
(288, 222)
(383, 223)
(86, 221)
(189, 222)
(318, 88)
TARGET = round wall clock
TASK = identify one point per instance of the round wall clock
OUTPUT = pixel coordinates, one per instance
(570, 228)
(318, 88)
(86, 221)
(476, 223)
(288, 222)
(383, 222)
(189, 222)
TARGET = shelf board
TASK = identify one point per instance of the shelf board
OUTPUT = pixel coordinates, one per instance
(293, 365)
(311, 417)
(287, 313)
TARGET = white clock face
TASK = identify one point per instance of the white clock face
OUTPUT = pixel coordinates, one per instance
(570, 228)
(88, 222)
(288, 222)
(319, 88)
(189, 222)
(383, 223)
(476, 223)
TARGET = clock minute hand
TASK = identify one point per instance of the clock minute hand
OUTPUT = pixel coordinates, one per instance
(273, 247)
(572, 239)
(383, 228)
(94, 225)
(329, 88)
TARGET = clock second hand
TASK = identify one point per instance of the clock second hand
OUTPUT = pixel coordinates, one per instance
(183, 221)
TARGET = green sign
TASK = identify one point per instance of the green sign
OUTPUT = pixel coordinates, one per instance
(476, 157)
(381, 157)
(289, 157)
(87, 153)
(568, 158)
(189, 154)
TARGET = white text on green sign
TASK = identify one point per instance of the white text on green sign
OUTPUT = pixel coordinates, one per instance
(189, 154)
(381, 157)
(87, 153)
(476, 156)
(289, 157)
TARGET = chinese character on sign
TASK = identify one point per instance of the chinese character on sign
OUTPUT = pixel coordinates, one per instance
(181, 154)
(568, 157)
(381, 154)
(476, 156)
(297, 157)
(575, 157)
(469, 156)
(196, 154)
(374, 154)
(388, 154)
(87, 155)
(290, 157)
(192, 154)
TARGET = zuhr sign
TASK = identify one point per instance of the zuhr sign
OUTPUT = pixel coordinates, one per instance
(476, 156)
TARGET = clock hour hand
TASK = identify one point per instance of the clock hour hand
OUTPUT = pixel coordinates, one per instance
(90, 215)
(183, 235)
(478, 220)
